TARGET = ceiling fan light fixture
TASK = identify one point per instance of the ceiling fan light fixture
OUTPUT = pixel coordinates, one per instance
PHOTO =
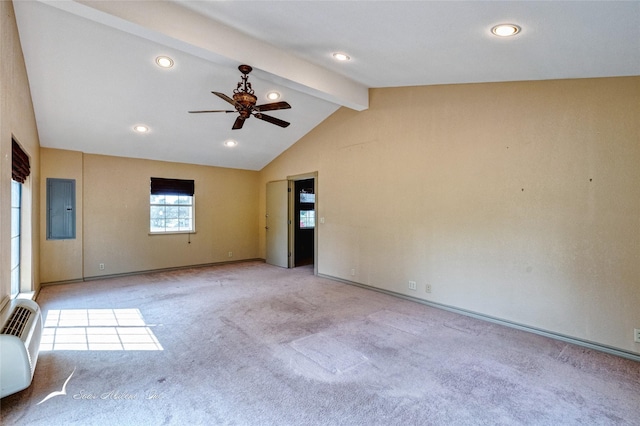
(230, 143)
(339, 56)
(244, 101)
(141, 128)
(164, 62)
(272, 96)
(505, 30)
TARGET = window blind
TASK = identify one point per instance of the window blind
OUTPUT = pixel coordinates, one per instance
(20, 168)
(161, 186)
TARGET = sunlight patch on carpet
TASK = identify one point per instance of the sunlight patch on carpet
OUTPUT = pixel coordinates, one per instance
(97, 330)
(329, 353)
(399, 321)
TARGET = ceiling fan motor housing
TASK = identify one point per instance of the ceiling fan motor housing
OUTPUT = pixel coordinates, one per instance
(245, 99)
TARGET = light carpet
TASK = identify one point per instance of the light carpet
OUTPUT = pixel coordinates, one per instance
(253, 344)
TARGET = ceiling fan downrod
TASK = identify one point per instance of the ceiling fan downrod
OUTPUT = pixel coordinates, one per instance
(243, 94)
(246, 86)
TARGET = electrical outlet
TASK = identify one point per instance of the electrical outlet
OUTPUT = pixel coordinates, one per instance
(413, 285)
(427, 288)
(353, 272)
(230, 254)
(101, 266)
(636, 335)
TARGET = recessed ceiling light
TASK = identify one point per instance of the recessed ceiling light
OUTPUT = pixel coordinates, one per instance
(164, 61)
(230, 143)
(272, 96)
(505, 30)
(341, 56)
(141, 128)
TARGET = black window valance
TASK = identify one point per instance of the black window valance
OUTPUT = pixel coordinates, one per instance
(20, 168)
(161, 186)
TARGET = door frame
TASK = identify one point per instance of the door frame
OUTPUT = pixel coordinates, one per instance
(292, 179)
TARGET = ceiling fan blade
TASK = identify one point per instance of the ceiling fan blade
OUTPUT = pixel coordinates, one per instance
(228, 99)
(238, 123)
(273, 106)
(272, 120)
(217, 110)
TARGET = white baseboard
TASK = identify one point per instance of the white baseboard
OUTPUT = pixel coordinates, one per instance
(568, 339)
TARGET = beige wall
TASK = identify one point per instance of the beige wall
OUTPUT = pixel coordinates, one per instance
(112, 194)
(61, 259)
(17, 120)
(514, 200)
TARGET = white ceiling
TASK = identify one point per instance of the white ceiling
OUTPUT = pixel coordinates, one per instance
(93, 77)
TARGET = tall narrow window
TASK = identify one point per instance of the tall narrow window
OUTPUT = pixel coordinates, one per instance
(171, 206)
(61, 209)
(16, 201)
(20, 171)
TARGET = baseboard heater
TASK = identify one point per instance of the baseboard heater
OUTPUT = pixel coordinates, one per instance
(21, 322)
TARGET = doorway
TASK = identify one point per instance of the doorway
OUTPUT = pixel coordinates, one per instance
(291, 231)
(304, 222)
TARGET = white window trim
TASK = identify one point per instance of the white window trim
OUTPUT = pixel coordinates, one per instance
(193, 219)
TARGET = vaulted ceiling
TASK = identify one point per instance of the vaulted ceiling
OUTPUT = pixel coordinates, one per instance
(93, 76)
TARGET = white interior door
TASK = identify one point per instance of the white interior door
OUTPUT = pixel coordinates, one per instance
(277, 223)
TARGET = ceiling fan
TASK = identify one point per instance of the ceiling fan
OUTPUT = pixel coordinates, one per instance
(244, 102)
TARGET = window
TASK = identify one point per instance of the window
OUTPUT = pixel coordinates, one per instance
(307, 219)
(20, 171)
(16, 197)
(61, 209)
(306, 197)
(172, 213)
(171, 206)
(306, 204)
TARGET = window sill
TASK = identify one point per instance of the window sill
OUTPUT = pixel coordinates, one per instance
(30, 295)
(172, 233)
